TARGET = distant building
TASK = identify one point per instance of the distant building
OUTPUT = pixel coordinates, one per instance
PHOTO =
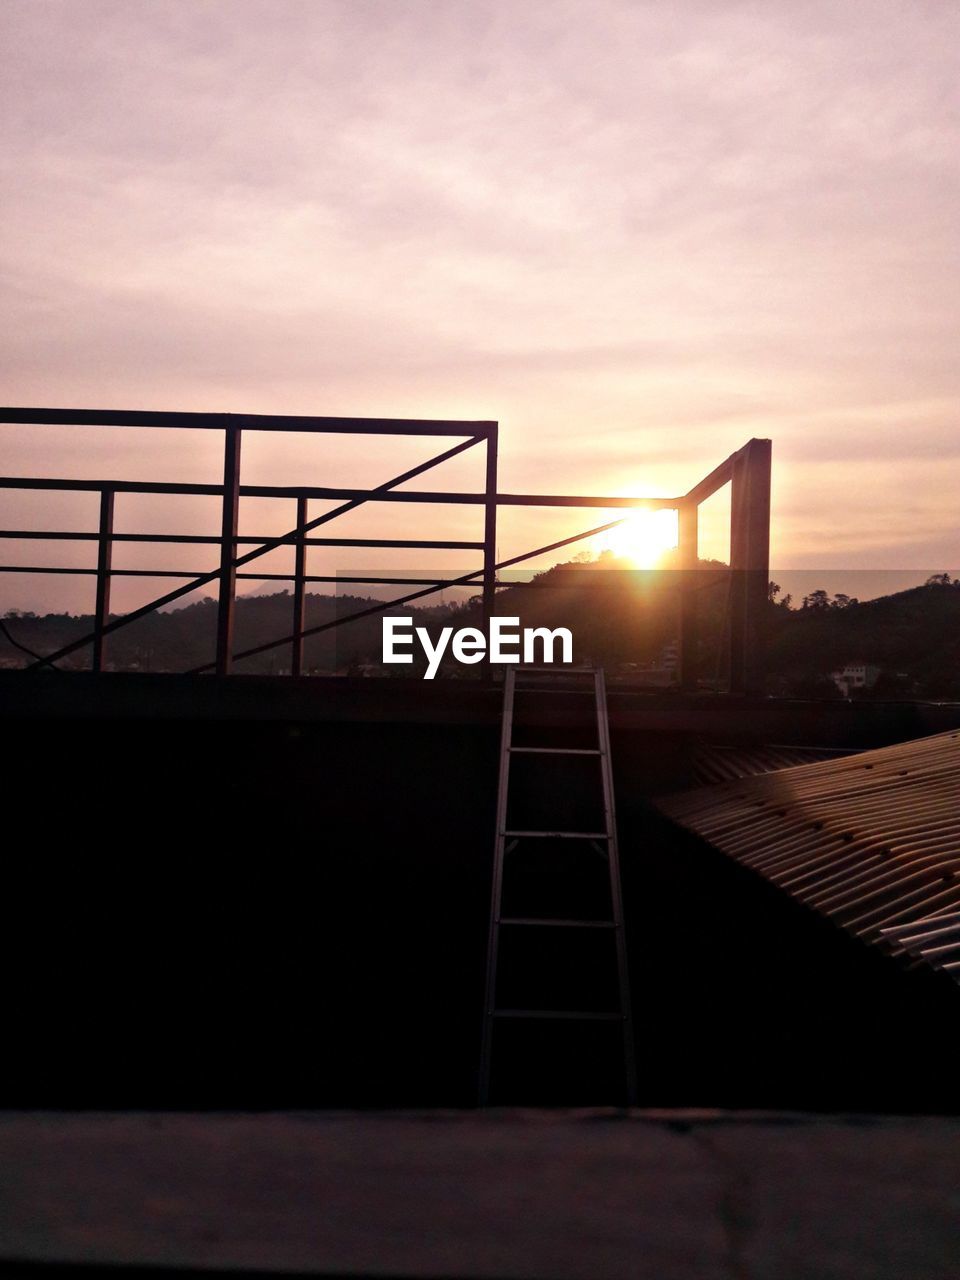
(855, 675)
(670, 656)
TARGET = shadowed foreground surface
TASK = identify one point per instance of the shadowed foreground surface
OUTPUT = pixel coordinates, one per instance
(254, 895)
(598, 1194)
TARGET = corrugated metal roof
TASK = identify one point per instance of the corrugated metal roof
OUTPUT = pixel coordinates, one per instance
(721, 762)
(872, 840)
(934, 940)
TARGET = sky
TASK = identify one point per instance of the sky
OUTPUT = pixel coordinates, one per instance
(635, 234)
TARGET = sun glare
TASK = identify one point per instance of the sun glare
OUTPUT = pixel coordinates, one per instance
(644, 538)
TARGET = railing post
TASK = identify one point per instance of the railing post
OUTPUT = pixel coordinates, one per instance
(735, 595)
(749, 565)
(228, 549)
(688, 556)
(104, 563)
(756, 587)
(489, 541)
(299, 591)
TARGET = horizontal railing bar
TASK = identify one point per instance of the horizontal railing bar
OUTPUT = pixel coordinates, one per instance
(54, 535)
(205, 539)
(46, 568)
(459, 498)
(439, 583)
(127, 573)
(425, 544)
(118, 486)
(337, 578)
(246, 421)
(717, 578)
(439, 497)
(196, 573)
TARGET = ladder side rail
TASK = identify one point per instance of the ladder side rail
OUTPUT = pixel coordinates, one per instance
(496, 892)
(623, 971)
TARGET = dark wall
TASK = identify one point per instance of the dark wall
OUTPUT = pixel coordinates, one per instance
(259, 914)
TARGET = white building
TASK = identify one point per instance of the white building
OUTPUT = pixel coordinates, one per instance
(855, 675)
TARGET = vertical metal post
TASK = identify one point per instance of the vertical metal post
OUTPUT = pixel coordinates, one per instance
(228, 549)
(489, 541)
(299, 591)
(688, 549)
(104, 563)
(757, 566)
(736, 639)
(749, 564)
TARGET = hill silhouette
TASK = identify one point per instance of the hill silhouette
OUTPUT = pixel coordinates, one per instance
(182, 639)
(913, 637)
(622, 617)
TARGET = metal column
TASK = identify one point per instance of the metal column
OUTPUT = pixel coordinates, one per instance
(299, 590)
(104, 564)
(749, 564)
(228, 549)
(687, 537)
(489, 541)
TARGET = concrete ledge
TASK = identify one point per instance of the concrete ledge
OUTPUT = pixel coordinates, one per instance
(118, 696)
(560, 1195)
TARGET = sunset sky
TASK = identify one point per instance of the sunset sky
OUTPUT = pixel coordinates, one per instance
(636, 234)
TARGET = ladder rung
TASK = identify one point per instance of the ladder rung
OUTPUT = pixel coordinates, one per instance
(560, 670)
(555, 751)
(559, 835)
(559, 924)
(576, 693)
(573, 1015)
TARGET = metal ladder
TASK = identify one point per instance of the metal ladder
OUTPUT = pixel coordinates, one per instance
(605, 842)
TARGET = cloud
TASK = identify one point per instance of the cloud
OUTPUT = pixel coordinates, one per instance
(625, 230)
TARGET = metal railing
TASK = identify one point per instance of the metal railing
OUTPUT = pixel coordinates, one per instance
(747, 471)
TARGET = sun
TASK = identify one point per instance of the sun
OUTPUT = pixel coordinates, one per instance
(644, 537)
